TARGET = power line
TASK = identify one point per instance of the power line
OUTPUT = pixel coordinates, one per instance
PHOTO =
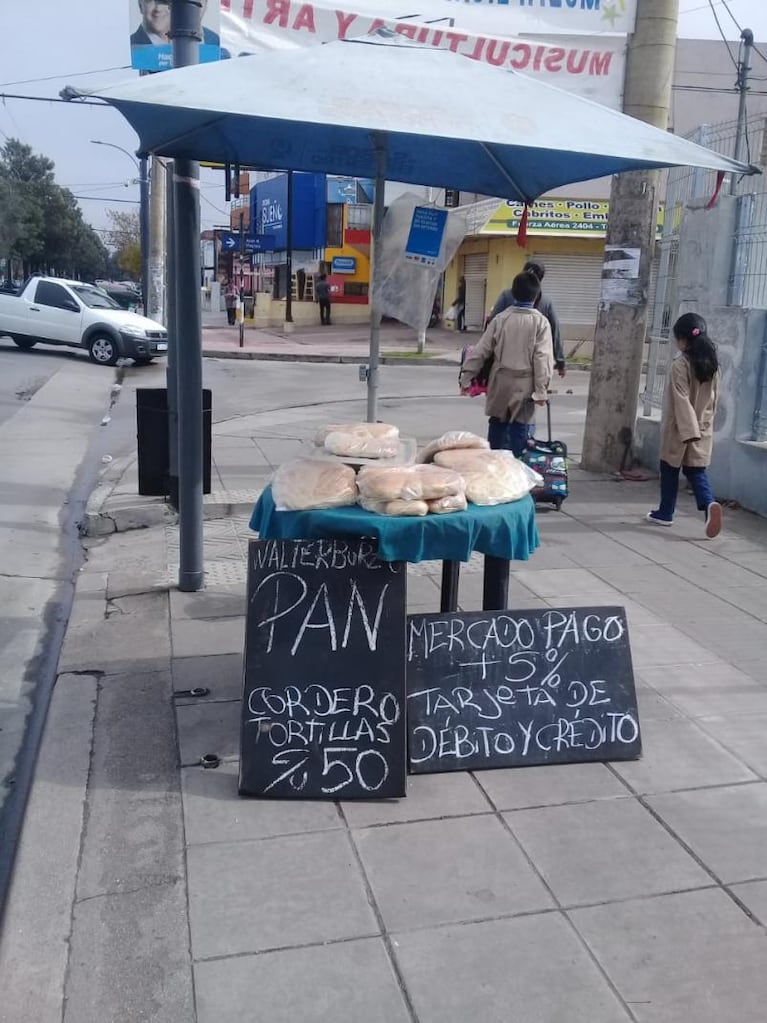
(103, 198)
(73, 74)
(724, 37)
(703, 7)
(734, 20)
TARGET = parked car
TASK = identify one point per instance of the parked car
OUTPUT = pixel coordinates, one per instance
(61, 312)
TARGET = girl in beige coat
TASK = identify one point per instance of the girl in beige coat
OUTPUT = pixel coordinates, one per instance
(687, 433)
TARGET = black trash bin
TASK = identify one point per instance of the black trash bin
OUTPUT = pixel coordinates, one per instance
(154, 442)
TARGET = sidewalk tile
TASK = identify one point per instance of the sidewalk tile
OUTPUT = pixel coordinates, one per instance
(703, 689)
(595, 852)
(433, 872)
(213, 812)
(255, 896)
(428, 796)
(744, 736)
(554, 581)
(752, 599)
(208, 727)
(743, 640)
(504, 971)
(663, 644)
(676, 754)
(753, 894)
(129, 958)
(220, 673)
(725, 827)
(516, 788)
(652, 706)
(342, 983)
(693, 956)
(204, 638)
(208, 603)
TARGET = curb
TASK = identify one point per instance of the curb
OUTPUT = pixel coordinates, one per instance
(386, 360)
(155, 511)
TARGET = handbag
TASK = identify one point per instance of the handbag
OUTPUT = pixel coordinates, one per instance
(452, 312)
(479, 383)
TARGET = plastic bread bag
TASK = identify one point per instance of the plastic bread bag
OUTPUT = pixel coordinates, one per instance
(408, 482)
(354, 445)
(499, 480)
(382, 431)
(450, 441)
(308, 483)
(397, 507)
(443, 505)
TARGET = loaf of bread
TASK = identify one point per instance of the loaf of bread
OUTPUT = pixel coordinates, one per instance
(452, 440)
(408, 482)
(469, 459)
(355, 445)
(443, 505)
(311, 483)
(382, 431)
(397, 507)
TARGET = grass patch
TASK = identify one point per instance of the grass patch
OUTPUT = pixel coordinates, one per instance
(407, 355)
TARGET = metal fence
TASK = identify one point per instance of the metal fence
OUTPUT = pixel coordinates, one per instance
(747, 285)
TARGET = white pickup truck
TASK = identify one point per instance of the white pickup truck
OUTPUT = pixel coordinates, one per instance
(60, 312)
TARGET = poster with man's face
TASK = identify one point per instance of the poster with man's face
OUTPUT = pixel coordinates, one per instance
(150, 42)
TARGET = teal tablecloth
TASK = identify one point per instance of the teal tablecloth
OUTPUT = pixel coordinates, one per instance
(504, 531)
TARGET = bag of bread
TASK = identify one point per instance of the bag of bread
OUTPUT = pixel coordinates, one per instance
(308, 483)
(453, 439)
(408, 482)
(443, 505)
(381, 431)
(495, 477)
(356, 445)
(396, 508)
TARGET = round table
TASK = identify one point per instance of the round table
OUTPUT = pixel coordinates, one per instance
(502, 533)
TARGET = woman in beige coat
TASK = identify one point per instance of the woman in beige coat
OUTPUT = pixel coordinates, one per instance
(519, 342)
(687, 433)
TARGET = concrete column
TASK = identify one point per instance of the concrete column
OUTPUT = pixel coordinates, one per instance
(621, 324)
(155, 300)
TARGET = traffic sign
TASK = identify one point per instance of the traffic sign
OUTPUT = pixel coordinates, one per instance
(230, 242)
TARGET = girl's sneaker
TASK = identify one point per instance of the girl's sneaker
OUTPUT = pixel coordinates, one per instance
(653, 516)
(713, 520)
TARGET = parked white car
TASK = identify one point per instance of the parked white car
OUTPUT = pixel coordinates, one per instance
(60, 312)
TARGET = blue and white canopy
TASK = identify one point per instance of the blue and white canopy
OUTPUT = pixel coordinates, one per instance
(445, 120)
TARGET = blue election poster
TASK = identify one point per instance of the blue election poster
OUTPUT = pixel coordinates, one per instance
(427, 229)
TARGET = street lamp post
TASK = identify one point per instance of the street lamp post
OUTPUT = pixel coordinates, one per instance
(142, 165)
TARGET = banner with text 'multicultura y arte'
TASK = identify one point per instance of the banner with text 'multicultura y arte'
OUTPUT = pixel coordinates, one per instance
(578, 45)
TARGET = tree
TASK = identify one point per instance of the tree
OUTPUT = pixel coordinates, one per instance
(41, 224)
(125, 238)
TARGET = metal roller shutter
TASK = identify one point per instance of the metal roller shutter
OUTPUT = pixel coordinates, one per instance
(475, 271)
(573, 283)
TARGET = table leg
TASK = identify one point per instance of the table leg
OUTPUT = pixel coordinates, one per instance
(451, 571)
(495, 585)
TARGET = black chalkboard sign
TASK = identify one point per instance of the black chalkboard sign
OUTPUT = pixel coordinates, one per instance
(514, 688)
(323, 710)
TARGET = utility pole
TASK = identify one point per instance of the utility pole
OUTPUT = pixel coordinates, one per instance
(621, 325)
(186, 33)
(144, 227)
(155, 300)
(289, 256)
(744, 67)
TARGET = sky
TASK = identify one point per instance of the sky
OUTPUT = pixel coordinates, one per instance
(69, 38)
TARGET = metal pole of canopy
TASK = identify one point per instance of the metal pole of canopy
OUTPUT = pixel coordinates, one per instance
(186, 16)
(379, 144)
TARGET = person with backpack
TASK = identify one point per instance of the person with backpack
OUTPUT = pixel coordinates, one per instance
(518, 341)
(543, 305)
(687, 423)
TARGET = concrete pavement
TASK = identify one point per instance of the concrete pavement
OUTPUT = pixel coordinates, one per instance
(44, 439)
(147, 890)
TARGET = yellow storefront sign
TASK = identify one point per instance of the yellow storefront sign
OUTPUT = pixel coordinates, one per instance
(553, 218)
